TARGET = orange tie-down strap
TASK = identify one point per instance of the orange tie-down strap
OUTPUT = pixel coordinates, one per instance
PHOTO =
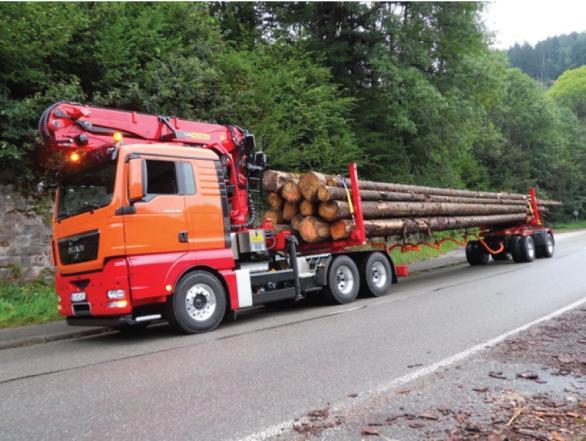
(406, 247)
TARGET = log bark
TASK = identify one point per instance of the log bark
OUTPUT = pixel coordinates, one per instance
(275, 201)
(309, 183)
(290, 192)
(388, 227)
(327, 193)
(330, 180)
(276, 216)
(335, 210)
(307, 208)
(548, 203)
(313, 230)
(290, 210)
(273, 180)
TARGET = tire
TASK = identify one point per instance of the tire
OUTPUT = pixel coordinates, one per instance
(547, 249)
(476, 254)
(343, 281)
(523, 249)
(376, 274)
(198, 304)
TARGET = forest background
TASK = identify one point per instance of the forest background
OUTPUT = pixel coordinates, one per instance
(412, 91)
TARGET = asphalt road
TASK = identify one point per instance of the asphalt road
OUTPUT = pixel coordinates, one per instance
(270, 367)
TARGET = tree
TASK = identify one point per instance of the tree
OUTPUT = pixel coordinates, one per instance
(570, 90)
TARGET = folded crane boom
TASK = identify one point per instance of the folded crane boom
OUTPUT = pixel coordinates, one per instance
(76, 130)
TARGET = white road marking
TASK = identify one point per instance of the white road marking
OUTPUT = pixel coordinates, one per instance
(425, 371)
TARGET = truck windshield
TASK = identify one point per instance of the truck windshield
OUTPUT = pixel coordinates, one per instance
(87, 190)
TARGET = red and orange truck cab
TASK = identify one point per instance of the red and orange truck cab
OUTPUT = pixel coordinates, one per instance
(119, 248)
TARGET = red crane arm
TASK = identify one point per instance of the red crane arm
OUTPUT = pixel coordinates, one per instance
(70, 127)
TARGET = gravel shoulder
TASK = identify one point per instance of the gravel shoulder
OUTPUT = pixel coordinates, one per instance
(528, 387)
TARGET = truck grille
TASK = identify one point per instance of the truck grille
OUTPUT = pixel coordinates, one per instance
(79, 248)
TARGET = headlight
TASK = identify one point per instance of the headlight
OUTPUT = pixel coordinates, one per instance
(116, 294)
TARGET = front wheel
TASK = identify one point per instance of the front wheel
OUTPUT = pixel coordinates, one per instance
(376, 274)
(343, 280)
(198, 305)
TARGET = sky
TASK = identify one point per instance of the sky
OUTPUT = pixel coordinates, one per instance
(518, 21)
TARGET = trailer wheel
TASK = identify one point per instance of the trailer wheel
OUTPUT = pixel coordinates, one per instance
(476, 254)
(547, 249)
(376, 274)
(523, 249)
(343, 280)
(198, 305)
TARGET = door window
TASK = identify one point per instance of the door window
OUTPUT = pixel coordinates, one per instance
(161, 177)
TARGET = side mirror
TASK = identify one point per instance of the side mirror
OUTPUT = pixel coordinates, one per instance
(136, 180)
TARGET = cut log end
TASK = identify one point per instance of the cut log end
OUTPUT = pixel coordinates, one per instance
(290, 192)
(296, 221)
(276, 216)
(275, 201)
(309, 184)
(313, 230)
(307, 208)
(328, 210)
(341, 229)
(290, 210)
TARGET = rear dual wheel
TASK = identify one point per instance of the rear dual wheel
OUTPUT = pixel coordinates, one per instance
(523, 249)
(547, 249)
(345, 280)
(376, 274)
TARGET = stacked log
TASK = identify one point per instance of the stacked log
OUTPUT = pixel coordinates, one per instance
(317, 206)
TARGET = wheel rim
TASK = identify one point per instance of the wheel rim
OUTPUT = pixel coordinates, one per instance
(549, 245)
(344, 280)
(378, 275)
(200, 302)
(530, 249)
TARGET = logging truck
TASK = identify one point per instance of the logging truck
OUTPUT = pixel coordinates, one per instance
(155, 218)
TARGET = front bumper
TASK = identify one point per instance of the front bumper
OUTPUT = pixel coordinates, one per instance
(95, 285)
(113, 322)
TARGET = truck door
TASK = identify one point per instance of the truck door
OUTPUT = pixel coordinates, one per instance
(159, 223)
(206, 206)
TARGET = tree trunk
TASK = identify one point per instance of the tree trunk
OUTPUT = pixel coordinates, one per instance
(290, 210)
(307, 208)
(290, 192)
(275, 201)
(313, 230)
(405, 188)
(387, 227)
(335, 210)
(328, 193)
(273, 180)
(276, 216)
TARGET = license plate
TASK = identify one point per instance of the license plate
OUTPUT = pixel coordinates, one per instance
(78, 296)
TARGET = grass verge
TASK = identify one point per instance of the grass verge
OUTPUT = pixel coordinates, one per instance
(568, 226)
(27, 303)
(426, 253)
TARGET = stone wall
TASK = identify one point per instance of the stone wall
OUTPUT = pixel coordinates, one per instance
(25, 236)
